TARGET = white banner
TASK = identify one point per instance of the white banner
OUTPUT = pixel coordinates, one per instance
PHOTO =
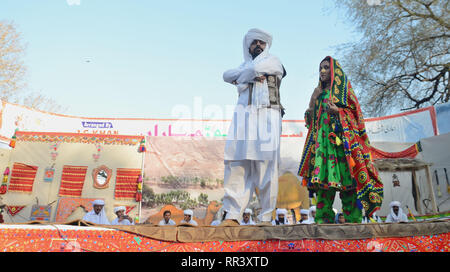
(406, 127)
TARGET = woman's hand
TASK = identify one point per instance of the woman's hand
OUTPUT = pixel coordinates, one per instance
(308, 111)
(332, 108)
(317, 92)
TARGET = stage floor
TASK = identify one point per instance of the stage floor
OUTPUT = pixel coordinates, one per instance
(66, 238)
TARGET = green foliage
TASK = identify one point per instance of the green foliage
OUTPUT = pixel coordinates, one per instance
(203, 199)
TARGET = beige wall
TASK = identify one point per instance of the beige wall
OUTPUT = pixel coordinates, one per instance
(77, 154)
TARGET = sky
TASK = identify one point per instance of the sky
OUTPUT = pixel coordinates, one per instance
(165, 59)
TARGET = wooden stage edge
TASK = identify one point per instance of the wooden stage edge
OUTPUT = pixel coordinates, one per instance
(426, 236)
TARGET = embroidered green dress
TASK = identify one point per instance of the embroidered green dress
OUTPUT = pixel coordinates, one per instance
(330, 168)
(329, 164)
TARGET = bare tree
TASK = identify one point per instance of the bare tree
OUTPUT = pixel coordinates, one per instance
(39, 101)
(12, 68)
(402, 60)
(13, 72)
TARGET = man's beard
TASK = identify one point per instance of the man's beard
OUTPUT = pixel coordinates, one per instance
(256, 52)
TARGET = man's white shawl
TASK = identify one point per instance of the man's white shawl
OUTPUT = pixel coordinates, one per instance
(394, 218)
(254, 131)
(307, 221)
(250, 221)
(99, 218)
(278, 212)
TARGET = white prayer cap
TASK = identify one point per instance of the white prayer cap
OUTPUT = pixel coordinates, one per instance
(188, 212)
(98, 202)
(120, 208)
(248, 211)
(303, 211)
(394, 203)
(312, 208)
(282, 211)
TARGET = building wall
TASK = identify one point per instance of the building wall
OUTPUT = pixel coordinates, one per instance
(76, 154)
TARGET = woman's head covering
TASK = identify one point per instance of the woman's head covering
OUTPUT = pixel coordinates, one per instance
(256, 34)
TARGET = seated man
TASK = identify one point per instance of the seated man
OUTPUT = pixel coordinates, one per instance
(396, 214)
(281, 218)
(188, 218)
(312, 215)
(166, 221)
(304, 217)
(218, 218)
(122, 218)
(247, 218)
(97, 215)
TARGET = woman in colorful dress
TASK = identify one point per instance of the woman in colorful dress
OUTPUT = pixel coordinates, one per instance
(336, 156)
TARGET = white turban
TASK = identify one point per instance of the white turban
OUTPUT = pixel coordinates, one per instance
(98, 202)
(250, 221)
(256, 34)
(188, 212)
(121, 208)
(400, 217)
(95, 218)
(281, 211)
(303, 211)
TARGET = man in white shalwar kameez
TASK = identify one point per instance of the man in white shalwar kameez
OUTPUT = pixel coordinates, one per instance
(252, 147)
(166, 221)
(122, 218)
(97, 215)
(396, 214)
(247, 218)
(281, 218)
(304, 217)
(188, 214)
